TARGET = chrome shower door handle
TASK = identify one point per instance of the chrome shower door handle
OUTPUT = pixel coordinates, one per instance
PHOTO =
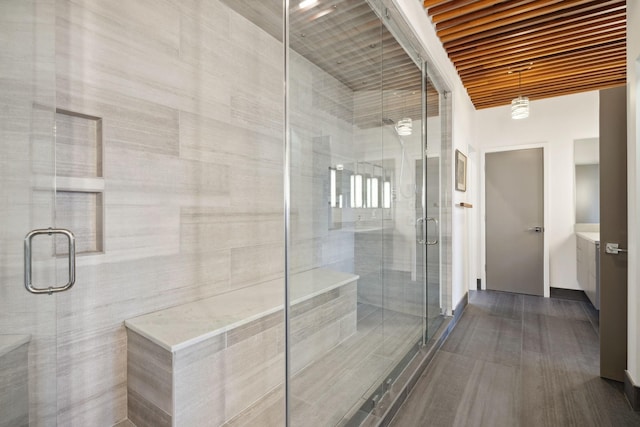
(435, 222)
(420, 230)
(71, 259)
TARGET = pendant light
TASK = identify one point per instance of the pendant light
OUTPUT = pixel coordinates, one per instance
(520, 105)
(404, 126)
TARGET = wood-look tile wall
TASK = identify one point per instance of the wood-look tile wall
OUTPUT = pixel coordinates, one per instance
(27, 94)
(14, 377)
(190, 99)
(223, 378)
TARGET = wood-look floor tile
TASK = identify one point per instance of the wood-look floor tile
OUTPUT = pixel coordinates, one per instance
(458, 390)
(554, 381)
(564, 391)
(563, 308)
(501, 304)
(487, 337)
(560, 337)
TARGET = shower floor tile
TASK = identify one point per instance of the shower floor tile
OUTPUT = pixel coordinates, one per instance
(326, 391)
(336, 385)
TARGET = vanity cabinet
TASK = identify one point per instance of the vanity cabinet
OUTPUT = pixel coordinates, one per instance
(588, 265)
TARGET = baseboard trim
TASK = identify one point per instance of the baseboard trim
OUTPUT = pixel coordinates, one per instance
(462, 304)
(632, 391)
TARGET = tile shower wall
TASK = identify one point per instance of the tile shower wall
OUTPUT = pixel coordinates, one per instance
(190, 98)
(322, 136)
(27, 72)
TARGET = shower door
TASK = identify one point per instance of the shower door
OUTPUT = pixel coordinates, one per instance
(27, 199)
(356, 270)
(433, 206)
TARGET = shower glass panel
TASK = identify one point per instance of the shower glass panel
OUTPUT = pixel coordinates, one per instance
(160, 133)
(433, 210)
(27, 201)
(356, 276)
(403, 236)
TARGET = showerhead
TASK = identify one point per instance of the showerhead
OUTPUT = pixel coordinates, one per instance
(403, 127)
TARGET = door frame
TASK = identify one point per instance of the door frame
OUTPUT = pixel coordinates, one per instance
(483, 208)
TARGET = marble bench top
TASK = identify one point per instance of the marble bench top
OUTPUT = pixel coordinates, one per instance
(8, 343)
(181, 326)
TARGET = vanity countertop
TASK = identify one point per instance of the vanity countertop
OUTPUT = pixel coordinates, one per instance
(592, 236)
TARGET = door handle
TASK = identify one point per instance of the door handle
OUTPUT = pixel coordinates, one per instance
(613, 248)
(71, 259)
(536, 229)
(435, 221)
(420, 232)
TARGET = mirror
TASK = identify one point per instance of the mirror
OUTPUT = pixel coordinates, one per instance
(587, 180)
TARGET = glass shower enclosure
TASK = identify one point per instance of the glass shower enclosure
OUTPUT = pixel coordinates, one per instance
(268, 173)
(363, 208)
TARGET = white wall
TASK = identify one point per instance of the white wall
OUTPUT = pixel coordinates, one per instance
(587, 151)
(556, 122)
(462, 136)
(633, 159)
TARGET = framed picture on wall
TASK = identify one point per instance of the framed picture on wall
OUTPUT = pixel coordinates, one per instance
(461, 171)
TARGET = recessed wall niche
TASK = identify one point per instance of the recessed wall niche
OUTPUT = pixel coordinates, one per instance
(80, 212)
(79, 181)
(78, 145)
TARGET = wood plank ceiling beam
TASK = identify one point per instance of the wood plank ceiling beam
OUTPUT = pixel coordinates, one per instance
(521, 56)
(540, 10)
(519, 31)
(565, 46)
(543, 38)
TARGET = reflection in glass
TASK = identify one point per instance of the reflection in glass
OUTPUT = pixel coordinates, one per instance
(373, 192)
(332, 187)
(386, 194)
(356, 191)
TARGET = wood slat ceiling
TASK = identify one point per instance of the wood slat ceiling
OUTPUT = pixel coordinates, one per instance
(347, 40)
(560, 46)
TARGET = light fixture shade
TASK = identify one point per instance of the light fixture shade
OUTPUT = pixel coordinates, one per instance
(520, 108)
(404, 127)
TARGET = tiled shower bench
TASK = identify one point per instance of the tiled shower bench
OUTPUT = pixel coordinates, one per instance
(14, 378)
(205, 362)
